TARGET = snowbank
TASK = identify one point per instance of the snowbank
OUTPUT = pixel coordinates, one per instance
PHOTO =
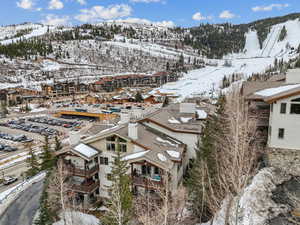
(78, 218)
(255, 204)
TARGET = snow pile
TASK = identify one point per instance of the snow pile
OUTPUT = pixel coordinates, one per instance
(165, 141)
(201, 114)
(173, 120)
(77, 218)
(135, 155)
(161, 157)
(173, 153)
(255, 205)
(185, 119)
(274, 91)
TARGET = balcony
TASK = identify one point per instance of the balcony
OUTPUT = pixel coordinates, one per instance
(85, 187)
(259, 113)
(82, 172)
(147, 182)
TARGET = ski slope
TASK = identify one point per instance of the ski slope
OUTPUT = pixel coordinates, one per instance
(251, 60)
(37, 30)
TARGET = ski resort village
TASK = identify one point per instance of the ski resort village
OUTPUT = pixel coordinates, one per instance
(125, 121)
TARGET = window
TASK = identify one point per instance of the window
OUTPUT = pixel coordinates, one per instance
(295, 108)
(114, 143)
(296, 100)
(272, 107)
(103, 160)
(156, 170)
(110, 146)
(123, 147)
(146, 170)
(283, 108)
(280, 133)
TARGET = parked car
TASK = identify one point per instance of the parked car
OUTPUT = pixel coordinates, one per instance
(9, 180)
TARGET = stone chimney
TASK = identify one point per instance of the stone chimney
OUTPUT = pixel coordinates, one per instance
(133, 130)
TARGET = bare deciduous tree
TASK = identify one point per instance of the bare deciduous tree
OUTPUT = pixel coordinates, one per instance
(59, 192)
(234, 156)
(161, 208)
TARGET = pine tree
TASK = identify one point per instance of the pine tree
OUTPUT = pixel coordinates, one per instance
(120, 204)
(45, 214)
(4, 108)
(58, 145)
(138, 97)
(166, 102)
(167, 66)
(32, 163)
(203, 172)
(47, 156)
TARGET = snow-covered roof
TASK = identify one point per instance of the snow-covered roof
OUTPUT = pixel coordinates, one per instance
(85, 150)
(201, 114)
(277, 90)
(135, 155)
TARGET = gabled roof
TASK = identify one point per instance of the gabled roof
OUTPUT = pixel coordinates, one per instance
(172, 119)
(152, 142)
(249, 88)
(271, 95)
(157, 158)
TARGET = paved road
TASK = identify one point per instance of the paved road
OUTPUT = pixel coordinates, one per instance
(22, 211)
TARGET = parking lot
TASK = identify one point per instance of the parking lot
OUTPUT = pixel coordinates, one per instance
(22, 124)
(55, 122)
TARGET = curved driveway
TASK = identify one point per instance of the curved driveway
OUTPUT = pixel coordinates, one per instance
(23, 209)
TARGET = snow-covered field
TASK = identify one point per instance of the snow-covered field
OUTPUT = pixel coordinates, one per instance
(252, 60)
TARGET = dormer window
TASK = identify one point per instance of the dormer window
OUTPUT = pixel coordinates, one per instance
(115, 142)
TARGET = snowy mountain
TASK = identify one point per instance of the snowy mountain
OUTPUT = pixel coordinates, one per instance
(252, 59)
(31, 54)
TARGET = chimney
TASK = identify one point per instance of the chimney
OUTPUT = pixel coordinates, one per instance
(187, 107)
(74, 138)
(124, 118)
(133, 130)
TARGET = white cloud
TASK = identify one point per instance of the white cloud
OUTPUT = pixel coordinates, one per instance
(54, 20)
(55, 4)
(98, 13)
(163, 23)
(81, 2)
(269, 7)
(146, 1)
(25, 4)
(198, 16)
(226, 14)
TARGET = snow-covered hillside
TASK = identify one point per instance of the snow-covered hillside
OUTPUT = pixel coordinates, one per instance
(10, 34)
(252, 60)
